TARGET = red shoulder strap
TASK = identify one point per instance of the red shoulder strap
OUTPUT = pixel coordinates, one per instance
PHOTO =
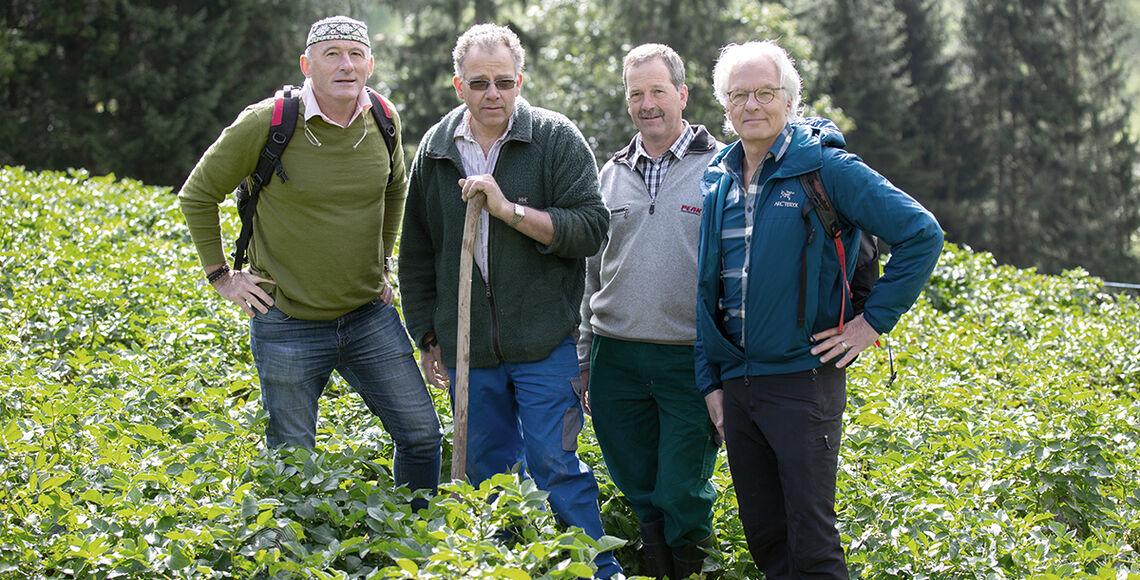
(278, 109)
(376, 99)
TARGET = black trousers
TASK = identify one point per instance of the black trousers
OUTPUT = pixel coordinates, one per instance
(782, 434)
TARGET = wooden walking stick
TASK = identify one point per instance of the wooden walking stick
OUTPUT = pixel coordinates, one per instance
(463, 346)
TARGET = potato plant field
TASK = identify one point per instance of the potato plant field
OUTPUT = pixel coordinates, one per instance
(1005, 445)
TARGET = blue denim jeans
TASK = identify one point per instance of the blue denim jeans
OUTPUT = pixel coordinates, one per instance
(531, 413)
(370, 348)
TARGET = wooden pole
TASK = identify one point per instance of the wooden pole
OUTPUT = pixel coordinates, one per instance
(463, 346)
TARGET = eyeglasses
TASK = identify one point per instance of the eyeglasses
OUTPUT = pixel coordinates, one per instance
(481, 85)
(763, 96)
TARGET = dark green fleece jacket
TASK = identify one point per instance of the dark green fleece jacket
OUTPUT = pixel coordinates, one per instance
(530, 302)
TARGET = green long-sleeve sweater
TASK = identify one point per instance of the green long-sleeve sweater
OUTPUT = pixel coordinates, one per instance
(322, 236)
(530, 302)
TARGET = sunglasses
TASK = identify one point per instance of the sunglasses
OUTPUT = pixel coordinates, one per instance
(481, 85)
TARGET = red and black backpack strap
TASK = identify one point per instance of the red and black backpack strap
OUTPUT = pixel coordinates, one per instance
(383, 116)
(286, 106)
(818, 201)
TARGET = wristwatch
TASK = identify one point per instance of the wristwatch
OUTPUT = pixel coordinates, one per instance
(520, 213)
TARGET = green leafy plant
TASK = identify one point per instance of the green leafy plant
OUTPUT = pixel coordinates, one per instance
(131, 430)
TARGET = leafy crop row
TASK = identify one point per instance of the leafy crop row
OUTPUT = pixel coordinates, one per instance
(131, 446)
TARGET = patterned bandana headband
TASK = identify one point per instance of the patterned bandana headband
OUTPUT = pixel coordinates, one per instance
(339, 28)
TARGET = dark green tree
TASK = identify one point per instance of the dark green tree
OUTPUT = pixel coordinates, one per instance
(863, 68)
(1054, 154)
(1092, 220)
(139, 88)
(941, 173)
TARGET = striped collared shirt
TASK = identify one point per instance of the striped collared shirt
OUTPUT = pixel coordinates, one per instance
(653, 170)
(736, 236)
(476, 163)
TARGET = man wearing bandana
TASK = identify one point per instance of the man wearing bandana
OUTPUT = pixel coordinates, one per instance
(317, 290)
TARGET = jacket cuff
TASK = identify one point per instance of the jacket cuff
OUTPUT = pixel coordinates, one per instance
(709, 389)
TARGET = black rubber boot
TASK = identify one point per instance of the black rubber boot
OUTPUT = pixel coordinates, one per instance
(658, 557)
(690, 558)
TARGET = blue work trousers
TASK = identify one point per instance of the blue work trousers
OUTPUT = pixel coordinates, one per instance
(531, 414)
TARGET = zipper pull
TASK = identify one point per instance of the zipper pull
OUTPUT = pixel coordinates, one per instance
(652, 205)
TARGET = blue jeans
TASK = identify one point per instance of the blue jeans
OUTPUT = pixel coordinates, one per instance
(371, 350)
(531, 413)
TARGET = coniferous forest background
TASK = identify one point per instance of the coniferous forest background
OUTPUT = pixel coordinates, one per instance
(1011, 120)
(1001, 439)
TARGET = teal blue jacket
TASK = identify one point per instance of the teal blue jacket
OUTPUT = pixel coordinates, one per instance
(530, 303)
(773, 341)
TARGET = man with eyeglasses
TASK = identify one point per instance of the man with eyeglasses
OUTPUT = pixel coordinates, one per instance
(775, 365)
(543, 216)
(639, 321)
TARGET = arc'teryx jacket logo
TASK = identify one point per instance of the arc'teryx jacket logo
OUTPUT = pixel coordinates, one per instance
(786, 200)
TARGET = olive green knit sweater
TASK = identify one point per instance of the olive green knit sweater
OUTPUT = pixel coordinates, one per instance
(323, 234)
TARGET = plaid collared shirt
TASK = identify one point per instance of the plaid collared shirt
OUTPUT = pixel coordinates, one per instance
(653, 170)
(736, 236)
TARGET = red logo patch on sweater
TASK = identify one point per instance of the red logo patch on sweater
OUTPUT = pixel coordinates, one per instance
(690, 209)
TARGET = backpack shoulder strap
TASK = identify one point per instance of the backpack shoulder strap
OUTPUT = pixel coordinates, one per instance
(818, 200)
(813, 186)
(383, 116)
(286, 106)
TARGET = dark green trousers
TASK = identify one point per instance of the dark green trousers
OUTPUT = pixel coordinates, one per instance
(654, 431)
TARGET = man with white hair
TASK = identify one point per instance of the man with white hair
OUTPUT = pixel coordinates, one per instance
(775, 322)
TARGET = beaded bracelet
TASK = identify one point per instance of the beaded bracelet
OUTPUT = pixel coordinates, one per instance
(217, 274)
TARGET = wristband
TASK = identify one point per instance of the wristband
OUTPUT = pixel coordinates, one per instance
(217, 274)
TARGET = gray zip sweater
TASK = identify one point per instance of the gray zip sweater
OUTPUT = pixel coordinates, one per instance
(642, 285)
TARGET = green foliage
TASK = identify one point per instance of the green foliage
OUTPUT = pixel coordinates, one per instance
(1007, 447)
(131, 426)
(131, 446)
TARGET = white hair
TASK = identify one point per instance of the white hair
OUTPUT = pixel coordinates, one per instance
(733, 55)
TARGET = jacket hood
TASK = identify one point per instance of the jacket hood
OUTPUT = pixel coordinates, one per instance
(827, 132)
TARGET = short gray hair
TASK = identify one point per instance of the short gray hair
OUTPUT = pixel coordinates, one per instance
(733, 55)
(487, 37)
(648, 52)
